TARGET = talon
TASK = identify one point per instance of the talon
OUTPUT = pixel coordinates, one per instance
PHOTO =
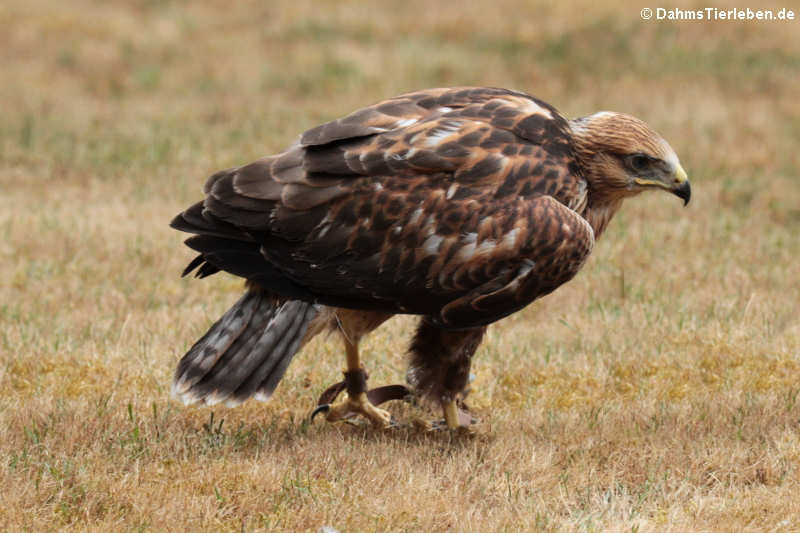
(387, 393)
(359, 400)
(422, 424)
(435, 426)
(358, 405)
(438, 425)
(331, 393)
(324, 408)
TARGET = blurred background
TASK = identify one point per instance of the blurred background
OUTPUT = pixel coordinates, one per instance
(112, 114)
(107, 85)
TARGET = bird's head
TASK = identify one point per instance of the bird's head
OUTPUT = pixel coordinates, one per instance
(621, 156)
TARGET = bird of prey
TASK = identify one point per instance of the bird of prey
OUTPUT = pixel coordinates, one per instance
(461, 205)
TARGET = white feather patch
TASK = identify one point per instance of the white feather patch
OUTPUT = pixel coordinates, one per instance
(405, 122)
(535, 109)
(465, 253)
(261, 397)
(579, 125)
(526, 267)
(510, 238)
(451, 191)
(485, 247)
(442, 131)
(431, 244)
(670, 157)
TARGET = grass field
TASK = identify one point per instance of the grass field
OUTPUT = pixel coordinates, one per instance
(658, 391)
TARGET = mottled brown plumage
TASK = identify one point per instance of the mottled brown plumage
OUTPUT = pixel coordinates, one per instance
(461, 205)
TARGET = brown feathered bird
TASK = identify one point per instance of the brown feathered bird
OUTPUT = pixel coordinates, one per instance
(462, 205)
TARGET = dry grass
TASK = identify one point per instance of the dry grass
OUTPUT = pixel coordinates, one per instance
(658, 391)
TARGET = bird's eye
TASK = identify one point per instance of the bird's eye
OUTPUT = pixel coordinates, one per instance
(638, 162)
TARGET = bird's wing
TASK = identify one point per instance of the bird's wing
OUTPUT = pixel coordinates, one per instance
(550, 243)
(450, 202)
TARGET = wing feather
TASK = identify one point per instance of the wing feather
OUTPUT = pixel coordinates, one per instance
(446, 202)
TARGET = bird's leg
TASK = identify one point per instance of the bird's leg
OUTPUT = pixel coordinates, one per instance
(357, 402)
(455, 417)
(451, 414)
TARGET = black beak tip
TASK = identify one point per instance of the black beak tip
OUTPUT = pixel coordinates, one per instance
(684, 192)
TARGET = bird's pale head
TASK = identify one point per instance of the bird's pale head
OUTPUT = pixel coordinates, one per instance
(621, 156)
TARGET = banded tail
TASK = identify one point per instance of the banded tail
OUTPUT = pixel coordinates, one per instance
(245, 353)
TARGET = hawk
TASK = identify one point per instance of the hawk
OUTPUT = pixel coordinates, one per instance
(461, 205)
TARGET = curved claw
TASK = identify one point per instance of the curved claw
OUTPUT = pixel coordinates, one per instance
(466, 423)
(324, 408)
(377, 395)
(387, 393)
(331, 393)
(359, 401)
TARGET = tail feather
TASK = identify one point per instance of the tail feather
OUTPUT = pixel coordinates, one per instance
(202, 357)
(265, 379)
(246, 352)
(236, 362)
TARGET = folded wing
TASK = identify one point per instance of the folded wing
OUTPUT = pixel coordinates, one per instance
(452, 203)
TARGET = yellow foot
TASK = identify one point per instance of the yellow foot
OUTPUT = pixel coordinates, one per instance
(451, 414)
(455, 420)
(440, 426)
(357, 405)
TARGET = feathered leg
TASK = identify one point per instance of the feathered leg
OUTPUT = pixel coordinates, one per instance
(439, 367)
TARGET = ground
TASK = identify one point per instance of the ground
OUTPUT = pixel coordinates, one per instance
(657, 391)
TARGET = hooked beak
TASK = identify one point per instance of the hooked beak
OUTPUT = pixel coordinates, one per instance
(681, 187)
(677, 183)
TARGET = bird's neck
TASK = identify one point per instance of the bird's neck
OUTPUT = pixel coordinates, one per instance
(599, 213)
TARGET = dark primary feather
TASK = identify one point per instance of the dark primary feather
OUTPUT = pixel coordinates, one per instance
(456, 204)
